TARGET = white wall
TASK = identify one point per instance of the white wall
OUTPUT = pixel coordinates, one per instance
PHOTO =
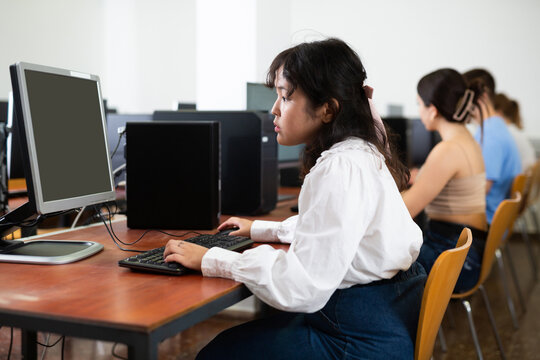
(149, 50)
(150, 53)
(400, 41)
(144, 52)
(60, 33)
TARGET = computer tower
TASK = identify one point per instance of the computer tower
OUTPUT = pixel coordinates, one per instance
(249, 171)
(172, 175)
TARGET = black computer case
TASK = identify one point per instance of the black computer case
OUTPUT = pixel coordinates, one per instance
(172, 175)
(249, 171)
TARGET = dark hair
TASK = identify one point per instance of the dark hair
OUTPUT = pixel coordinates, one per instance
(327, 70)
(445, 89)
(508, 108)
(481, 81)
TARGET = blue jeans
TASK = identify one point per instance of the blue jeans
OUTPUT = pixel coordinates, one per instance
(372, 321)
(440, 236)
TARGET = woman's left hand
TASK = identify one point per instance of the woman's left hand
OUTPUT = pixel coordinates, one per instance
(185, 253)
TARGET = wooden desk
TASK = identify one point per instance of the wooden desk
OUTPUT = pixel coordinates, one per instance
(95, 298)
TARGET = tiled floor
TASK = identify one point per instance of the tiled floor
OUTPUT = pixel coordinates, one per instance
(523, 343)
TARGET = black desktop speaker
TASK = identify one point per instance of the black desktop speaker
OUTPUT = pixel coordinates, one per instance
(172, 175)
(249, 171)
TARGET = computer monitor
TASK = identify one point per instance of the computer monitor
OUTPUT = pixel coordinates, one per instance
(412, 139)
(15, 169)
(421, 141)
(63, 137)
(259, 97)
(116, 127)
(186, 106)
(3, 162)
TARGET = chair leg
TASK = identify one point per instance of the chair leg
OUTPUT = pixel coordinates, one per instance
(516, 279)
(468, 309)
(492, 321)
(442, 340)
(509, 301)
(530, 249)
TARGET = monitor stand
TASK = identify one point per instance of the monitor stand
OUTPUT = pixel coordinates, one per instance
(49, 251)
(40, 251)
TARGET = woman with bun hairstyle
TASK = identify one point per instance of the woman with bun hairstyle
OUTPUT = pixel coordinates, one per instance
(450, 186)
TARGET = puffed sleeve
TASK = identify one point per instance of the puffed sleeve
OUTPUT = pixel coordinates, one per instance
(274, 231)
(336, 200)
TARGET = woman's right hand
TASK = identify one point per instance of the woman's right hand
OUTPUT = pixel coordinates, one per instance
(243, 225)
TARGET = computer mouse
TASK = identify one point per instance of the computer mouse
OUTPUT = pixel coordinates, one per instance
(227, 231)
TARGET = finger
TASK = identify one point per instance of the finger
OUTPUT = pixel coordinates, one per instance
(172, 247)
(231, 222)
(174, 258)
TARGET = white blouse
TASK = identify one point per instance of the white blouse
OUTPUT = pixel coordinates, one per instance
(352, 228)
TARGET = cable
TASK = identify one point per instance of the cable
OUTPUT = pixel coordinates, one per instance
(39, 218)
(114, 354)
(45, 348)
(77, 217)
(10, 344)
(117, 240)
(51, 345)
(118, 143)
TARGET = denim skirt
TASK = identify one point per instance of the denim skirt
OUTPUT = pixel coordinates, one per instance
(440, 236)
(373, 321)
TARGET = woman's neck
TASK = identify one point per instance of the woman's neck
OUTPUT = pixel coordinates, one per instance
(450, 130)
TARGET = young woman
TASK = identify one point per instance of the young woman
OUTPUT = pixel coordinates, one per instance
(509, 110)
(450, 186)
(349, 285)
(500, 152)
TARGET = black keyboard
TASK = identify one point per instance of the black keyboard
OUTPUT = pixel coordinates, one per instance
(152, 260)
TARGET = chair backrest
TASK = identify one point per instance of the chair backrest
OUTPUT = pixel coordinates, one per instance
(534, 190)
(522, 183)
(501, 225)
(439, 287)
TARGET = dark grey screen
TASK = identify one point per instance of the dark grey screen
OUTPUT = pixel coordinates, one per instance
(69, 136)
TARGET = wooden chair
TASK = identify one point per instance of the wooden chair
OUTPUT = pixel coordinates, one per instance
(522, 184)
(500, 225)
(528, 184)
(439, 286)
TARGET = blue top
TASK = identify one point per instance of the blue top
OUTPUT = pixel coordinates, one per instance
(501, 159)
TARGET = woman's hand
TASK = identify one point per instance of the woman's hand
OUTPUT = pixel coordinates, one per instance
(243, 225)
(185, 253)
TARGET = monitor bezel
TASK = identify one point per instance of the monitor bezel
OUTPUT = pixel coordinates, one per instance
(28, 145)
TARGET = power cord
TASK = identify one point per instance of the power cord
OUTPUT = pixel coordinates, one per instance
(117, 240)
(47, 345)
(10, 344)
(121, 134)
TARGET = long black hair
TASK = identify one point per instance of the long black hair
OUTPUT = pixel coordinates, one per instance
(330, 70)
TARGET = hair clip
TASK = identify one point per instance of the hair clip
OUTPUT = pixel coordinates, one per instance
(465, 106)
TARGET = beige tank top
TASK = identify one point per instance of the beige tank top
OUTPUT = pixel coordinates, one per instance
(461, 196)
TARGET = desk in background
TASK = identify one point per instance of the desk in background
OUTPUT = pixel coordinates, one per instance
(95, 298)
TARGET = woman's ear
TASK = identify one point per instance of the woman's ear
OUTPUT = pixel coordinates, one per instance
(330, 109)
(433, 112)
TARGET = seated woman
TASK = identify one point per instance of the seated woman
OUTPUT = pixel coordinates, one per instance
(509, 110)
(349, 286)
(450, 186)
